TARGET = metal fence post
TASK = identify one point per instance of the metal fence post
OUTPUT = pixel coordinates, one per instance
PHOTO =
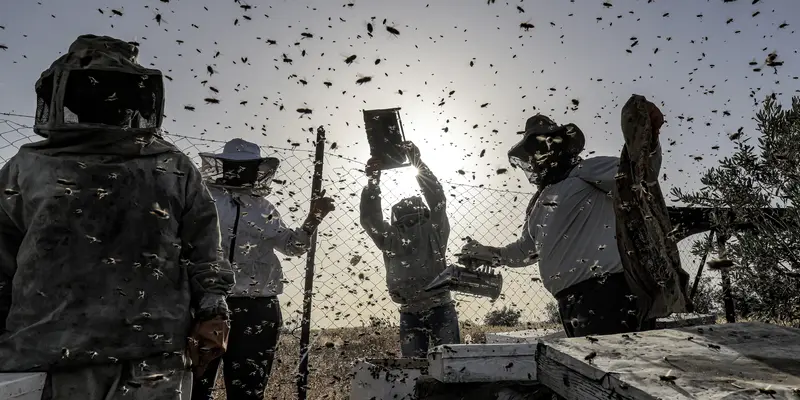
(305, 333)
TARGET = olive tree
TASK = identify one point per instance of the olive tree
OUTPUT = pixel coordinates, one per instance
(760, 183)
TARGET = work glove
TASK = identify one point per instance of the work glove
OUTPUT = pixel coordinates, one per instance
(474, 255)
(373, 168)
(412, 152)
(320, 208)
(208, 338)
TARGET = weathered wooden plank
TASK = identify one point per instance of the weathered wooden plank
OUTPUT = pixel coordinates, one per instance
(525, 336)
(483, 363)
(679, 320)
(729, 361)
(572, 385)
(22, 386)
(534, 335)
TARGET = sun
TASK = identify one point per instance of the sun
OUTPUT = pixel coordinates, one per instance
(399, 183)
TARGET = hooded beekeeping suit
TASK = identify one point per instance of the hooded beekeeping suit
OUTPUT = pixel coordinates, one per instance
(253, 230)
(570, 229)
(109, 237)
(413, 245)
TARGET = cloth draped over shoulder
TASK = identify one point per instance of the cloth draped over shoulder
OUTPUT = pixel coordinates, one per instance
(650, 256)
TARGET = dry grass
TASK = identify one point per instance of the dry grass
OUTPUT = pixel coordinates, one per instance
(332, 354)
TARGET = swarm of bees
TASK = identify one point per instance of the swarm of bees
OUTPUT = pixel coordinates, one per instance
(364, 36)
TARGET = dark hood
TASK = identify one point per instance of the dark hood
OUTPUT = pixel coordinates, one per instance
(98, 75)
(410, 207)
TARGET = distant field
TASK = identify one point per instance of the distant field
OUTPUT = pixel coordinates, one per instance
(332, 356)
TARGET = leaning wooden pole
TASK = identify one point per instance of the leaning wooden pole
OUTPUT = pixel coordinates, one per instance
(696, 283)
(305, 333)
(725, 277)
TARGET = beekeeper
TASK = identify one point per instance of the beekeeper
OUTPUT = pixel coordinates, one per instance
(252, 229)
(413, 245)
(108, 238)
(570, 229)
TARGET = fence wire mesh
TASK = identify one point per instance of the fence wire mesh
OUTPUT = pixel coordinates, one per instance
(351, 306)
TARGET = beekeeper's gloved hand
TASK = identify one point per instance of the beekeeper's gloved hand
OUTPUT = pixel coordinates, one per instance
(412, 151)
(208, 339)
(473, 254)
(211, 306)
(320, 208)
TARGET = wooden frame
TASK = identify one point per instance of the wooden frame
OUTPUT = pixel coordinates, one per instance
(378, 149)
(536, 335)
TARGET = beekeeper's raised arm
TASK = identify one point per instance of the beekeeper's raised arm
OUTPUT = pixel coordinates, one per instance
(432, 190)
(371, 216)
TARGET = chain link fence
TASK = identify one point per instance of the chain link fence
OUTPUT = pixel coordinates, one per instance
(351, 305)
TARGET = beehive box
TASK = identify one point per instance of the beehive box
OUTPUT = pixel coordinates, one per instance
(463, 363)
(386, 378)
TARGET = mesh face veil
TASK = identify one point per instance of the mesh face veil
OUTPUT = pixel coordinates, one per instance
(544, 147)
(254, 174)
(409, 212)
(99, 84)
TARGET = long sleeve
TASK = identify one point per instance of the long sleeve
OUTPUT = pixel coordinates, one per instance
(9, 244)
(434, 195)
(290, 242)
(522, 252)
(372, 217)
(210, 273)
(10, 240)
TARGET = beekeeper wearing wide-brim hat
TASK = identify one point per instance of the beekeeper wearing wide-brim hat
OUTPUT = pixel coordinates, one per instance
(240, 165)
(110, 243)
(570, 230)
(252, 230)
(547, 150)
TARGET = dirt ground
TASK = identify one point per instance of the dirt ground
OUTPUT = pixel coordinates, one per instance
(332, 356)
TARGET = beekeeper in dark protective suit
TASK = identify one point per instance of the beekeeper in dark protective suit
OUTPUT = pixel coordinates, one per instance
(413, 246)
(109, 238)
(252, 230)
(570, 229)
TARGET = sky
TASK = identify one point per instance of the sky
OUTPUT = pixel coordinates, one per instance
(464, 72)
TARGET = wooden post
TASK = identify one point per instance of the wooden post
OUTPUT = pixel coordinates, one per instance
(727, 296)
(702, 264)
(305, 331)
